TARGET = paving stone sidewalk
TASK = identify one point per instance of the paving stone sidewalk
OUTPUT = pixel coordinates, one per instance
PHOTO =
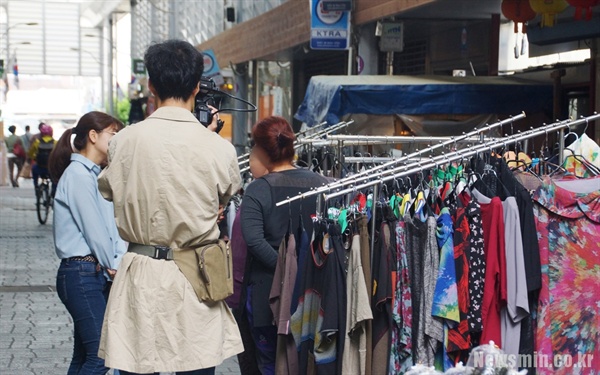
(36, 331)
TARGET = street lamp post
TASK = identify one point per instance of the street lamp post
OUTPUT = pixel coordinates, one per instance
(111, 58)
(89, 53)
(8, 28)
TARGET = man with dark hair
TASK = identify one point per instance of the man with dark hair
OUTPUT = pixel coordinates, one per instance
(167, 177)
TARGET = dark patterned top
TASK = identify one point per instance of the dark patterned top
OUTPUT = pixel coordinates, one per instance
(476, 256)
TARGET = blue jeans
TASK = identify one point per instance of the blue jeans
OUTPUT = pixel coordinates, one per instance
(38, 172)
(265, 340)
(205, 371)
(84, 292)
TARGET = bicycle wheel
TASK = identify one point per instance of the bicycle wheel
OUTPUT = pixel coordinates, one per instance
(43, 204)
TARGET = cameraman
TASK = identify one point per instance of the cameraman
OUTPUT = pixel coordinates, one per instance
(167, 177)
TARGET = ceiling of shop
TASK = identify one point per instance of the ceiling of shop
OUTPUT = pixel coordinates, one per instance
(455, 9)
(468, 10)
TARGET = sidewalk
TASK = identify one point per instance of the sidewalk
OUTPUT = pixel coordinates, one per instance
(36, 331)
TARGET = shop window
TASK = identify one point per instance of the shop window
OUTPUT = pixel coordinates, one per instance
(274, 89)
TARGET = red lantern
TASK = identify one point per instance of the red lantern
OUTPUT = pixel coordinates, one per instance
(580, 5)
(518, 11)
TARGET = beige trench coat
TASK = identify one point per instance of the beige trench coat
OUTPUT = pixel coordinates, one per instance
(167, 176)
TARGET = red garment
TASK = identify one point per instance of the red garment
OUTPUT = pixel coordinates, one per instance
(494, 292)
(459, 338)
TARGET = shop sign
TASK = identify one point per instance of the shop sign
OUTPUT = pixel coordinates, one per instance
(329, 29)
(138, 66)
(211, 67)
(337, 5)
(392, 37)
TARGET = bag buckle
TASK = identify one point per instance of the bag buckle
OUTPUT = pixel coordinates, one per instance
(161, 252)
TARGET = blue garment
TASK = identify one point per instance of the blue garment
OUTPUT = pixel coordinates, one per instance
(265, 340)
(84, 291)
(83, 220)
(38, 172)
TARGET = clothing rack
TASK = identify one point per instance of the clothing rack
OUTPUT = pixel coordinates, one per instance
(379, 140)
(434, 162)
(324, 132)
(246, 155)
(461, 154)
(340, 141)
(397, 139)
(371, 159)
(454, 156)
(352, 179)
(298, 144)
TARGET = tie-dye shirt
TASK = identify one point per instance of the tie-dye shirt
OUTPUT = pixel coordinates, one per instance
(445, 297)
(568, 226)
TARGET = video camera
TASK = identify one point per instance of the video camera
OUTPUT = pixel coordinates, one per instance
(207, 95)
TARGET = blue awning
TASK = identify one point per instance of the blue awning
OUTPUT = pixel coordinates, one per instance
(328, 98)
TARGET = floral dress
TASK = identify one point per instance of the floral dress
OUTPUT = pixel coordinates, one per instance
(568, 226)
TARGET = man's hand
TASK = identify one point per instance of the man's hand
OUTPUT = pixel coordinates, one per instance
(213, 125)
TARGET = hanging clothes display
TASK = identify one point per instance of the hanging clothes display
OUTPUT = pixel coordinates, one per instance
(494, 290)
(459, 255)
(280, 300)
(318, 324)
(358, 312)
(568, 223)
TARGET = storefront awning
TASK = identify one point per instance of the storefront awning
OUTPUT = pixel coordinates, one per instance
(328, 98)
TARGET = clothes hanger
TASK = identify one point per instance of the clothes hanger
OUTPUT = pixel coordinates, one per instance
(528, 168)
(589, 166)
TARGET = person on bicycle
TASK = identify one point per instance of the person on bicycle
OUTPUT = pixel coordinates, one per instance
(39, 153)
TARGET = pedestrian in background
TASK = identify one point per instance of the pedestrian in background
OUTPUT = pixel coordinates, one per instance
(167, 177)
(85, 234)
(26, 138)
(16, 155)
(26, 141)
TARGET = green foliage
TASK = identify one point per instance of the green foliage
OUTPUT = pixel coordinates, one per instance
(122, 108)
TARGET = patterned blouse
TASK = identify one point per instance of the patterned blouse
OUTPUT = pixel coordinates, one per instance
(568, 226)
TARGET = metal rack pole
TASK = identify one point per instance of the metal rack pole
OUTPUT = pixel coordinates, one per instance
(352, 179)
(395, 139)
(367, 142)
(457, 155)
(298, 142)
(246, 155)
(373, 220)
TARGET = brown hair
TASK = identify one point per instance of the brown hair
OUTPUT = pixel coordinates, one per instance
(275, 136)
(60, 157)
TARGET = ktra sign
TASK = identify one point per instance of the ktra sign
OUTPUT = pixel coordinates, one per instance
(330, 29)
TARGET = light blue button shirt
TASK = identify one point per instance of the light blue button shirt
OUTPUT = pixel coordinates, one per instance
(84, 221)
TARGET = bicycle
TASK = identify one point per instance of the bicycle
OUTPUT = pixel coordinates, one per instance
(43, 199)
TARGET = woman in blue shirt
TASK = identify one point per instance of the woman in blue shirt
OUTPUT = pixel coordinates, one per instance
(85, 234)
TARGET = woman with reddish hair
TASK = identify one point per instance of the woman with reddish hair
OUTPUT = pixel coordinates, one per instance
(264, 224)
